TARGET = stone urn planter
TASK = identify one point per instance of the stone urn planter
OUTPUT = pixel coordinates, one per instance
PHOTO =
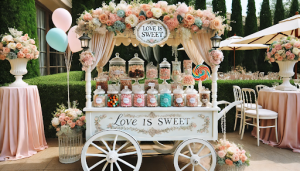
(286, 71)
(18, 69)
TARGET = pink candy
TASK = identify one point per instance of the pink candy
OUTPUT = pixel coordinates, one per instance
(178, 100)
(191, 100)
(151, 73)
(188, 80)
(164, 73)
(151, 100)
(126, 100)
(139, 100)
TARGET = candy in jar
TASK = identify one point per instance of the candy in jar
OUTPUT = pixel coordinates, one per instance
(126, 97)
(117, 68)
(151, 71)
(191, 97)
(165, 98)
(176, 71)
(136, 68)
(139, 97)
(187, 66)
(112, 98)
(103, 82)
(188, 80)
(165, 72)
(99, 97)
(149, 81)
(205, 98)
(175, 85)
(152, 96)
(178, 97)
(126, 82)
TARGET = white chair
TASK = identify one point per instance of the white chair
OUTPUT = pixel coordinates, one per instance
(256, 113)
(259, 87)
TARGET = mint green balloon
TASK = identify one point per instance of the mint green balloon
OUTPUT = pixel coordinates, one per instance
(57, 39)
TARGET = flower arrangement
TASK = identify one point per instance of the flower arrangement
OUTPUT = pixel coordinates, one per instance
(215, 56)
(16, 45)
(286, 49)
(87, 59)
(231, 154)
(118, 18)
(65, 120)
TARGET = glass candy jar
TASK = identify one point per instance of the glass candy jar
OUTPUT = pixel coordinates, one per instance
(175, 85)
(103, 82)
(191, 97)
(151, 71)
(126, 97)
(165, 98)
(187, 66)
(205, 98)
(99, 97)
(136, 68)
(164, 73)
(152, 96)
(188, 79)
(148, 83)
(178, 97)
(112, 98)
(139, 97)
(176, 71)
(126, 81)
(117, 68)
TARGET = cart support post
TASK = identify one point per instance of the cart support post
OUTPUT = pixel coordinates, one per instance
(88, 87)
(214, 85)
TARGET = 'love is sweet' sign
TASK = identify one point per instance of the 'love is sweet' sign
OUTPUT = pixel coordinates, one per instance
(152, 32)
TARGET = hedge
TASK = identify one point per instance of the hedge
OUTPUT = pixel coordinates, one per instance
(53, 91)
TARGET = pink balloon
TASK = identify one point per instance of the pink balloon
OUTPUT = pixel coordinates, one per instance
(62, 19)
(74, 42)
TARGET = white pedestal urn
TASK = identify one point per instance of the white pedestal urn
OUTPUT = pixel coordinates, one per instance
(286, 71)
(18, 69)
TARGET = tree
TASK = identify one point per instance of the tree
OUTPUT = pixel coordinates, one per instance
(237, 28)
(293, 8)
(19, 14)
(265, 21)
(200, 4)
(279, 12)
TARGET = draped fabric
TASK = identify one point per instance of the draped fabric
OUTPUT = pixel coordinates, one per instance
(102, 46)
(192, 51)
(146, 52)
(156, 52)
(203, 44)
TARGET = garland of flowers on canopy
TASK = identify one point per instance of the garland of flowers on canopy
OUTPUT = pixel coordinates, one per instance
(114, 24)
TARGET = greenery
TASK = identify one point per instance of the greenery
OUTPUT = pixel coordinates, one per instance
(279, 12)
(200, 4)
(293, 8)
(250, 60)
(20, 14)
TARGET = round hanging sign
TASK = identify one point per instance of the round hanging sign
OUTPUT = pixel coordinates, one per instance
(152, 32)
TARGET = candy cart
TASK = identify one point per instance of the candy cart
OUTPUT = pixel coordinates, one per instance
(113, 133)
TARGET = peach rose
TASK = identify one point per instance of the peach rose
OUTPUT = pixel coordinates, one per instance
(149, 14)
(189, 19)
(276, 56)
(72, 125)
(57, 129)
(128, 26)
(243, 158)
(128, 12)
(67, 118)
(79, 123)
(215, 24)
(23, 38)
(235, 157)
(297, 44)
(142, 18)
(69, 121)
(222, 147)
(145, 7)
(221, 154)
(33, 47)
(109, 23)
(87, 17)
(26, 35)
(82, 118)
(199, 13)
(21, 54)
(31, 41)
(25, 50)
(288, 46)
(19, 46)
(97, 12)
(28, 56)
(205, 23)
(6, 50)
(228, 162)
(166, 18)
(61, 118)
(37, 53)
(63, 123)
(103, 18)
(186, 25)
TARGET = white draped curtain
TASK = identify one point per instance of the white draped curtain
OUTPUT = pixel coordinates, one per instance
(146, 52)
(203, 44)
(192, 51)
(156, 52)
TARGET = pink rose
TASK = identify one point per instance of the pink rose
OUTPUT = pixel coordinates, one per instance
(297, 44)
(63, 123)
(199, 13)
(221, 154)
(87, 17)
(288, 53)
(20, 54)
(195, 28)
(222, 147)
(280, 58)
(82, 118)
(24, 38)
(288, 46)
(72, 125)
(61, 118)
(6, 50)
(276, 55)
(272, 60)
(292, 56)
(278, 47)
(235, 157)
(145, 7)
(31, 41)
(37, 53)
(28, 56)
(33, 47)
(216, 24)
(128, 12)
(273, 51)
(172, 23)
(79, 123)
(228, 162)
(228, 144)
(25, 50)
(243, 158)
(97, 12)
(69, 121)
(26, 35)
(205, 23)
(67, 118)
(182, 9)
(19, 46)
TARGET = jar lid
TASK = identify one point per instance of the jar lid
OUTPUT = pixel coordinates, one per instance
(164, 63)
(99, 90)
(112, 91)
(136, 60)
(126, 90)
(138, 90)
(205, 92)
(165, 90)
(178, 90)
(117, 60)
(152, 90)
(191, 90)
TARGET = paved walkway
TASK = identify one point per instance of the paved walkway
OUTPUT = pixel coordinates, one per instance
(264, 158)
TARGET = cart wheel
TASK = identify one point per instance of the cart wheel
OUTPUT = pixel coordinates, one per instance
(167, 148)
(93, 154)
(200, 155)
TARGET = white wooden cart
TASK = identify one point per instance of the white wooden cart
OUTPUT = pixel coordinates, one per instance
(110, 131)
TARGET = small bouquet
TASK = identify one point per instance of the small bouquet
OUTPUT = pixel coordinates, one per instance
(65, 120)
(215, 56)
(230, 154)
(87, 59)
(16, 45)
(286, 49)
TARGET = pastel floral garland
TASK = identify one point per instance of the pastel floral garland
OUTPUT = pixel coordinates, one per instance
(87, 59)
(16, 45)
(286, 49)
(215, 57)
(118, 18)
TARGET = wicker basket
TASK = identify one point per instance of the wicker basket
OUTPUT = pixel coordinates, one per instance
(70, 146)
(226, 167)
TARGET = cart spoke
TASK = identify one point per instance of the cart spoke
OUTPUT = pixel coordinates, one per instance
(104, 167)
(95, 155)
(126, 163)
(111, 166)
(118, 166)
(104, 142)
(123, 146)
(193, 168)
(200, 149)
(190, 149)
(205, 156)
(95, 165)
(127, 154)
(183, 155)
(114, 146)
(202, 166)
(99, 148)
(185, 166)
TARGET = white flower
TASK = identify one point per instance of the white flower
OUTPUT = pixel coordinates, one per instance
(122, 6)
(55, 121)
(15, 32)
(162, 3)
(292, 41)
(132, 20)
(157, 12)
(12, 46)
(71, 113)
(8, 38)
(96, 22)
(231, 150)
(280, 52)
(296, 51)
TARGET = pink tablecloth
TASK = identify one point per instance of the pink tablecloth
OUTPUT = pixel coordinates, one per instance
(287, 105)
(21, 123)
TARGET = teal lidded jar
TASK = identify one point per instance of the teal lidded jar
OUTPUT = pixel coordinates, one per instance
(165, 98)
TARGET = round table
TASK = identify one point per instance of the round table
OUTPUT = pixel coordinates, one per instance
(21, 123)
(287, 105)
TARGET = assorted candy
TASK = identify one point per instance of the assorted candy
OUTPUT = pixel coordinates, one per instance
(164, 73)
(188, 80)
(116, 72)
(112, 100)
(126, 100)
(151, 73)
(191, 100)
(103, 82)
(139, 100)
(99, 100)
(187, 66)
(178, 100)
(126, 82)
(136, 71)
(152, 100)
